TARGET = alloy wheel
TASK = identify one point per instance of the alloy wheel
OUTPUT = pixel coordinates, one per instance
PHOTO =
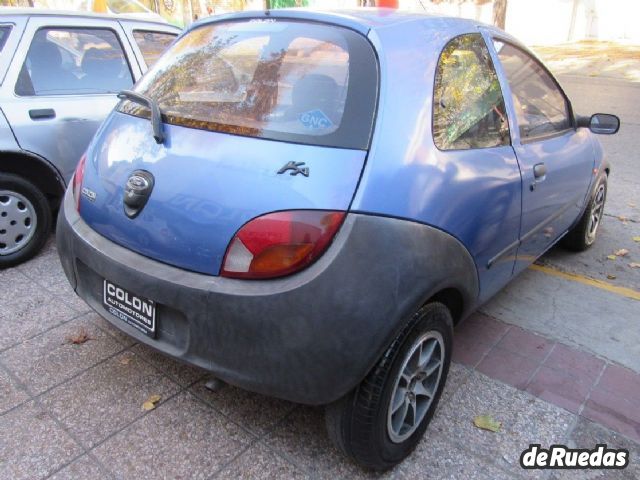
(597, 209)
(416, 386)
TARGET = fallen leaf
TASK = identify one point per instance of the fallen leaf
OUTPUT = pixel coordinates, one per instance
(150, 404)
(611, 257)
(611, 277)
(621, 253)
(80, 337)
(634, 265)
(125, 360)
(636, 239)
(487, 422)
(622, 218)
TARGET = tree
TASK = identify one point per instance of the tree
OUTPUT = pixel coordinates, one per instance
(499, 13)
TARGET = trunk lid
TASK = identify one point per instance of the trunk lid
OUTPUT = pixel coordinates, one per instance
(207, 185)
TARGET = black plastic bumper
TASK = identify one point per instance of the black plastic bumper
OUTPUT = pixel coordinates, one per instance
(308, 338)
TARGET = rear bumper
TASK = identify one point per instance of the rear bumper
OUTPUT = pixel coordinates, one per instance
(308, 338)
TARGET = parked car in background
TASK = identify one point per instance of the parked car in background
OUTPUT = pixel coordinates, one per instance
(305, 204)
(59, 73)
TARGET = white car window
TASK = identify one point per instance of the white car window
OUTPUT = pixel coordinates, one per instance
(71, 61)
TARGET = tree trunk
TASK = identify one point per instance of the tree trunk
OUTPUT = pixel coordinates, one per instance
(499, 13)
(572, 25)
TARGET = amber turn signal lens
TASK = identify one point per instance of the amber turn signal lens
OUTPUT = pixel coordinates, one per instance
(279, 257)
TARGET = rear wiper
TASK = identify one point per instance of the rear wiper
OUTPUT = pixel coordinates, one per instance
(151, 104)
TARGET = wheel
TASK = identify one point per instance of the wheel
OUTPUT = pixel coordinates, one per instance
(583, 234)
(384, 418)
(25, 220)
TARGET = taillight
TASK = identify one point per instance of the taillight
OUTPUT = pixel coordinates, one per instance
(280, 243)
(78, 176)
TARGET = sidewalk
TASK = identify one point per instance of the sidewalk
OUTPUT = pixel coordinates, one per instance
(579, 382)
(75, 411)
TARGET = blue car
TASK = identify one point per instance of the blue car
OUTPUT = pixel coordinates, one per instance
(305, 204)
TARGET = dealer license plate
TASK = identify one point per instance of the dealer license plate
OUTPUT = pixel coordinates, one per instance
(137, 311)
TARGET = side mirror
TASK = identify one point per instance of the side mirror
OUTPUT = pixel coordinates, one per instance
(600, 123)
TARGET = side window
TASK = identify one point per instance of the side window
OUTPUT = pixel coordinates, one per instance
(72, 61)
(5, 30)
(152, 44)
(541, 108)
(468, 107)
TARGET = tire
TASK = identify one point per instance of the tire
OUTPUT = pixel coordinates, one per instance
(25, 220)
(583, 234)
(361, 424)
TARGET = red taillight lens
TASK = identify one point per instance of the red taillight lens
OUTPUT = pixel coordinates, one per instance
(281, 243)
(78, 176)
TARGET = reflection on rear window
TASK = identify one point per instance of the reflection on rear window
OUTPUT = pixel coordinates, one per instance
(4, 34)
(281, 80)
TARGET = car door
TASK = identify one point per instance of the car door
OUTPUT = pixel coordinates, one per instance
(64, 79)
(556, 159)
(149, 40)
(477, 174)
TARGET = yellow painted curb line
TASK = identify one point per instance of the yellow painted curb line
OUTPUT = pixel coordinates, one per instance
(623, 291)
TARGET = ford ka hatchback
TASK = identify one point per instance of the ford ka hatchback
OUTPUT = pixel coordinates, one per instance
(305, 204)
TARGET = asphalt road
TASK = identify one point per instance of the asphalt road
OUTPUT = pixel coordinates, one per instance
(592, 318)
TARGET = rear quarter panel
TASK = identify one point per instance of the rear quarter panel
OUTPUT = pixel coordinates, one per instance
(7, 140)
(474, 195)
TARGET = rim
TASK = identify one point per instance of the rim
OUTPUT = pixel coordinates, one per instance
(597, 209)
(18, 222)
(416, 386)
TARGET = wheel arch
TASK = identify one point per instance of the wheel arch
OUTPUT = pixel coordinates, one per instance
(38, 171)
(453, 299)
(437, 268)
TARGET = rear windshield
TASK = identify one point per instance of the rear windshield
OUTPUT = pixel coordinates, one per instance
(282, 80)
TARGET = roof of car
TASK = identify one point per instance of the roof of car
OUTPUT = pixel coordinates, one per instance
(31, 12)
(360, 19)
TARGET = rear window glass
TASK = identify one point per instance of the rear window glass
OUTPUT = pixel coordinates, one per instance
(4, 34)
(282, 80)
(152, 44)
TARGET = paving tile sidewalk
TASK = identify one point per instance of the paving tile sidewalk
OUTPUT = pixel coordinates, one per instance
(577, 381)
(75, 411)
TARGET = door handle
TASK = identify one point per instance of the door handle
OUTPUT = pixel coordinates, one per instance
(42, 113)
(539, 174)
